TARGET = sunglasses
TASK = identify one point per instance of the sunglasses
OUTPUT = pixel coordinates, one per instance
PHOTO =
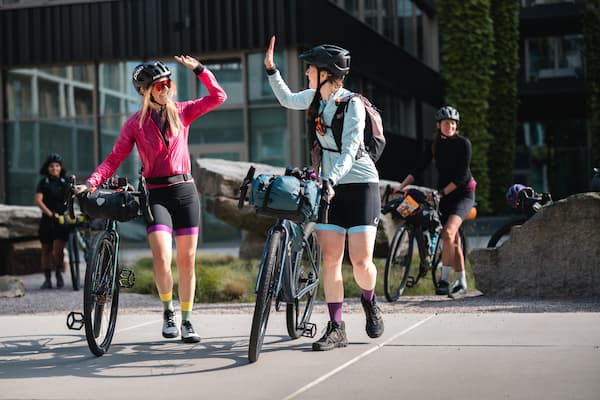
(319, 126)
(158, 86)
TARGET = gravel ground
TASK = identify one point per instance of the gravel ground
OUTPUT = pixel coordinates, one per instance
(58, 301)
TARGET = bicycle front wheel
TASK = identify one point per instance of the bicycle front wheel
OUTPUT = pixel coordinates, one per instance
(502, 234)
(306, 283)
(264, 295)
(73, 250)
(101, 293)
(398, 263)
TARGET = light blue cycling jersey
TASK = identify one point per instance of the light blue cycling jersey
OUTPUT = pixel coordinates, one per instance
(341, 167)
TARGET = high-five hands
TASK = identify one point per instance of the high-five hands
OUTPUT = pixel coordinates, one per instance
(269, 63)
(189, 61)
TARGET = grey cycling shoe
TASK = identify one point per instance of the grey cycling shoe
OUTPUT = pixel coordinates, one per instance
(335, 336)
(169, 329)
(374, 317)
(188, 335)
(457, 291)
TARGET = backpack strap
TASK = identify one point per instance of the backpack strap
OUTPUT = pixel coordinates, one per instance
(337, 124)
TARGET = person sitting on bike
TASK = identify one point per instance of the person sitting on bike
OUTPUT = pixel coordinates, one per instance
(50, 195)
(452, 155)
(160, 131)
(354, 189)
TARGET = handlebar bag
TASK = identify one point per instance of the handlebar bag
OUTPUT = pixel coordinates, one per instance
(283, 196)
(110, 204)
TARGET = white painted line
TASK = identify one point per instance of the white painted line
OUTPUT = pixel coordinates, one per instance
(355, 359)
(138, 326)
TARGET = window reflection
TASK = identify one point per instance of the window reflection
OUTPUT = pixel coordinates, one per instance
(554, 57)
(269, 136)
(258, 85)
(229, 76)
(225, 126)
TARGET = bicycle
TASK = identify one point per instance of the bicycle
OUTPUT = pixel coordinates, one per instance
(79, 242)
(421, 225)
(289, 271)
(103, 276)
(527, 202)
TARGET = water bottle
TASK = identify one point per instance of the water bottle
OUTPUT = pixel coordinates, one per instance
(433, 237)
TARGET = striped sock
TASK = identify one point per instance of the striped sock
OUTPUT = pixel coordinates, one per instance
(186, 310)
(167, 300)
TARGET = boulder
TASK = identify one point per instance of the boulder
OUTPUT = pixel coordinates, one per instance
(553, 255)
(11, 286)
(220, 180)
(19, 221)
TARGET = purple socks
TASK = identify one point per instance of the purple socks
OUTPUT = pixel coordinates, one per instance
(335, 311)
(368, 294)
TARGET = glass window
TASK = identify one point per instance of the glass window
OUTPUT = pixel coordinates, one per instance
(229, 76)
(48, 95)
(225, 126)
(260, 91)
(84, 102)
(554, 57)
(19, 96)
(269, 136)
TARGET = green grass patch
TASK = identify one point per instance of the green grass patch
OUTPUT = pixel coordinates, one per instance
(221, 278)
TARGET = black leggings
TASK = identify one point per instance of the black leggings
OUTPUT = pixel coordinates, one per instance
(458, 202)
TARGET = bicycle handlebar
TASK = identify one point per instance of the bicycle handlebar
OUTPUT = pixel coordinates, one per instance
(324, 203)
(244, 186)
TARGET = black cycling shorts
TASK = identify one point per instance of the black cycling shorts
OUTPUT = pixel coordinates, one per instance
(458, 202)
(355, 204)
(50, 231)
(175, 208)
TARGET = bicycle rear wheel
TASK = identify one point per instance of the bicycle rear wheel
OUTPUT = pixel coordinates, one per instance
(74, 259)
(502, 234)
(398, 263)
(306, 273)
(436, 263)
(101, 293)
(264, 295)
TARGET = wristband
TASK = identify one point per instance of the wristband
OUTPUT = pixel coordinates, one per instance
(271, 71)
(199, 69)
(441, 193)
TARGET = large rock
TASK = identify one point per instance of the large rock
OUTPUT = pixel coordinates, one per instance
(554, 254)
(11, 286)
(220, 181)
(19, 221)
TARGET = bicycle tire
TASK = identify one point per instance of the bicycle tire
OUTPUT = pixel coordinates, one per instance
(499, 236)
(264, 295)
(299, 312)
(101, 293)
(398, 263)
(436, 263)
(74, 260)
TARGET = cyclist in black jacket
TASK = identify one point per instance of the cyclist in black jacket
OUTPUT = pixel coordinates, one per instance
(50, 195)
(452, 155)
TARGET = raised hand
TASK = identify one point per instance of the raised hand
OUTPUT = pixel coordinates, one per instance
(269, 63)
(189, 61)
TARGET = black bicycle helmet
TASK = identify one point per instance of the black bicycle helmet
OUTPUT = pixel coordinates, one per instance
(147, 73)
(447, 112)
(334, 59)
(52, 157)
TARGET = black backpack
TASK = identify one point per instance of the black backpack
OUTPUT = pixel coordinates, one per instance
(373, 139)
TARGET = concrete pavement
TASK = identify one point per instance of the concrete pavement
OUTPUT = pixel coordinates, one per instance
(496, 355)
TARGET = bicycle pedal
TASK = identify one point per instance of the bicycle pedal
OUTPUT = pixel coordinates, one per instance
(410, 281)
(75, 320)
(126, 278)
(310, 330)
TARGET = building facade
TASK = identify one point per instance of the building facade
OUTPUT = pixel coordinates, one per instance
(66, 78)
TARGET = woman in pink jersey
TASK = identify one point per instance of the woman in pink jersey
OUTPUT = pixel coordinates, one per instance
(160, 131)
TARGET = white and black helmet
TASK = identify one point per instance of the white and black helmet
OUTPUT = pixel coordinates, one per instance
(147, 73)
(447, 112)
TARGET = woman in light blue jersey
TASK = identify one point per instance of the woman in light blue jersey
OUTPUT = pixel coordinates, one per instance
(353, 178)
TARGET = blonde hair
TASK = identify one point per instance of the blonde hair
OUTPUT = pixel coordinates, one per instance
(173, 118)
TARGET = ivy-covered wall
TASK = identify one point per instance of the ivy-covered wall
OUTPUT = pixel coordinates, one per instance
(503, 100)
(467, 59)
(591, 30)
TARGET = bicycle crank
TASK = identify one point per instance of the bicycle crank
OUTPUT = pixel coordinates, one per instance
(126, 278)
(75, 320)
(310, 330)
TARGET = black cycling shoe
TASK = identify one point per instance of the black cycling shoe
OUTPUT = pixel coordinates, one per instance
(442, 288)
(335, 336)
(374, 318)
(59, 280)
